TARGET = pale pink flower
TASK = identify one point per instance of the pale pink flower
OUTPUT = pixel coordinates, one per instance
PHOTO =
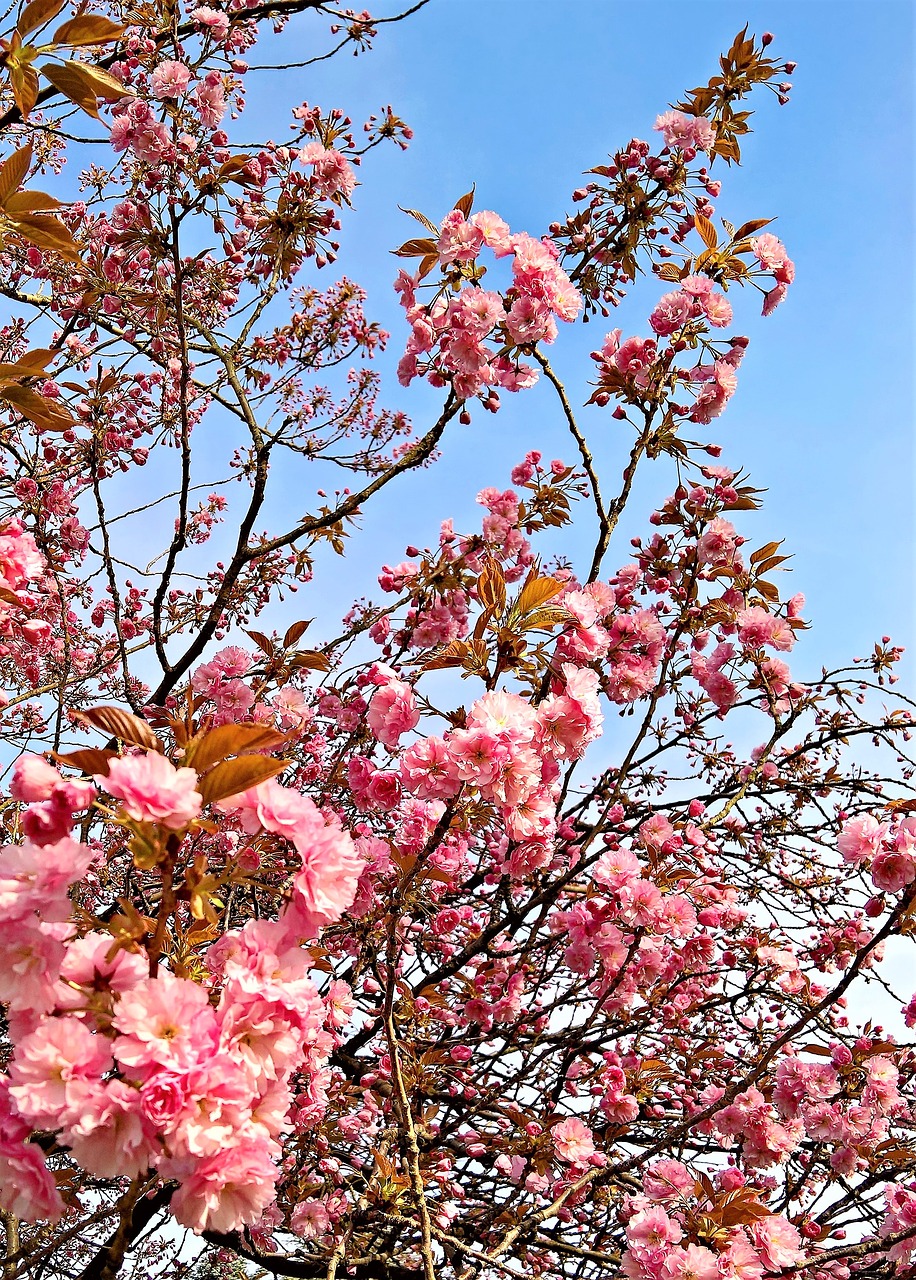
(667, 1180)
(772, 300)
(690, 1262)
(20, 559)
(459, 240)
(153, 790)
(37, 879)
(86, 964)
(210, 99)
(164, 1022)
(392, 712)
(778, 1240)
(769, 251)
(54, 1068)
(717, 542)
(718, 309)
(573, 1141)
(495, 232)
(671, 313)
(427, 770)
(332, 173)
(530, 321)
(652, 1229)
(861, 838)
(170, 79)
(219, 1097)
(310, 1219)
(757, 627)
(227, 1190)
(33, 779)
(215, 20)
(892, 870)
(27, 1186)
(111, 1137)
(31, 953)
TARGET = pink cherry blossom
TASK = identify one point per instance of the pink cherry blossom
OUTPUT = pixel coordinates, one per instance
(153, 790)
(573, 1140)
(170, 79)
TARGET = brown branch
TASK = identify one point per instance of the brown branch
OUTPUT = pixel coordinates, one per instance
(136, 1215)
(605, 528)
(244, 554)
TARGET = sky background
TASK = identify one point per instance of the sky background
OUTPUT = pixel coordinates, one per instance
(520, 97)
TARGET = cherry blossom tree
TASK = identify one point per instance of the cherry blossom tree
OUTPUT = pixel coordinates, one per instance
(462, 937)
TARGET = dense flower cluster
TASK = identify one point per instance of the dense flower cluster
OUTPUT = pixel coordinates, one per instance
(522, 921)
(472, 341)
(134, 1067)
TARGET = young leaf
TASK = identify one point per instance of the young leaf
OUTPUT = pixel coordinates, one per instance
(762, 553)
(421, 217)
(708, 233)
(466, 203)
(229, 740)
(750, 228)
(31, 202)
(36, 14)
(13, 172)
(87, 29)
(538, 592)
(296, 632)
(263, 642)
(46, 414)
(46, 233)
(24, 83)
(85, 85)
(491, 587)
(89, 760)
(120, 724)
(311, 660)
(29, 365)
(231, 777)
(415, 248)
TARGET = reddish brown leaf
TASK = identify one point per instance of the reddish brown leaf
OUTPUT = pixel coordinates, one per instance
(311, 660)
(85, 85)
(90, 760)
(466, 203)
(45, 232)
(231, 777)
(36, 14)
(24, 83)
(295, 633)
(536, 593)
(206, 749)
(87, 29)
(46, 414)
(13, 172)
(120, 724)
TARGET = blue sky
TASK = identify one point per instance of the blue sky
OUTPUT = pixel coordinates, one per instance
(521, 96)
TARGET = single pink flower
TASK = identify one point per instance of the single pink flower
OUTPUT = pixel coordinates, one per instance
(170, 79)
(153, 790)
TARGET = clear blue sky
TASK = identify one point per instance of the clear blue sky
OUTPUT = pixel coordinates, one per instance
(521, 96)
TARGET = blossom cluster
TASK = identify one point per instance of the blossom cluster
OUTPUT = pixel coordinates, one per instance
(471, 341)
(659, 1243)
(134, 1066)
(887, 850)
